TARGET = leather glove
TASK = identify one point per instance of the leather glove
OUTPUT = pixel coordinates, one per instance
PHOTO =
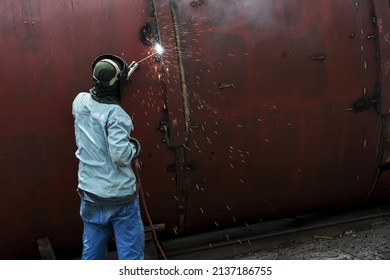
(137, 146)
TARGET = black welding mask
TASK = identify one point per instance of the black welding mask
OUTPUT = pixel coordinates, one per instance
(109, 76)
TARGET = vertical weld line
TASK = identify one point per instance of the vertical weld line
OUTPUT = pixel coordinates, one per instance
(186, 106)
(381, 160)
(181, 187)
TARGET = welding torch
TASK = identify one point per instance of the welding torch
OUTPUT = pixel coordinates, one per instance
(134, 65)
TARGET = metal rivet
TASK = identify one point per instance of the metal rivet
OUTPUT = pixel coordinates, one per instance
(196, 3)
(356, 5)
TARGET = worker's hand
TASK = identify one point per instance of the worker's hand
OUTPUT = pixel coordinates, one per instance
(136, 145)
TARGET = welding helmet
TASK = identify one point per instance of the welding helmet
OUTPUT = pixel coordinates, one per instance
(109, 73)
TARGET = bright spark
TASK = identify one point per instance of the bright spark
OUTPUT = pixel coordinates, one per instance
(158, 48)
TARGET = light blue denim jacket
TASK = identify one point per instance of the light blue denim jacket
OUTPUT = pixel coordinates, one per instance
(103, 148)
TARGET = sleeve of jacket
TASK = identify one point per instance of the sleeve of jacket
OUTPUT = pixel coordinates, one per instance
(121, 150)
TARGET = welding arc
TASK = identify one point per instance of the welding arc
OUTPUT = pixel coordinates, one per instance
(138, 177)
(147, 57)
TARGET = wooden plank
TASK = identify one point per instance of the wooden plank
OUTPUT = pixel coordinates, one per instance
(45, 249)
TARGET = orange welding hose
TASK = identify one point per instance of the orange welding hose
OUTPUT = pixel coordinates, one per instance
(137, 175)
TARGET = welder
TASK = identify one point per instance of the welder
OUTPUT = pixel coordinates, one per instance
(105, 150)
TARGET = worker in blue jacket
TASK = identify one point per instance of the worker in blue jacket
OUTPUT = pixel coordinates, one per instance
(106, 182)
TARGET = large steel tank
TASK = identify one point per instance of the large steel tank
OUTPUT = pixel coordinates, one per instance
(256, 110)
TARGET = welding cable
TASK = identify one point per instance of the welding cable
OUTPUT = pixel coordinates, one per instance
(139, 184)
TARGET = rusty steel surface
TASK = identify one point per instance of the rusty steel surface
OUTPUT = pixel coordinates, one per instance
(47, 52)
(256, 110)
(382, 8)
(269, 84)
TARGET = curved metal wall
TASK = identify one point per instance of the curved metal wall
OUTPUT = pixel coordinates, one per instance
(269, 83)
(47, 51)
(256, 110)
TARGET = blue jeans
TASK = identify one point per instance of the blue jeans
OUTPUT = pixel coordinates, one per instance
(101, 221)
